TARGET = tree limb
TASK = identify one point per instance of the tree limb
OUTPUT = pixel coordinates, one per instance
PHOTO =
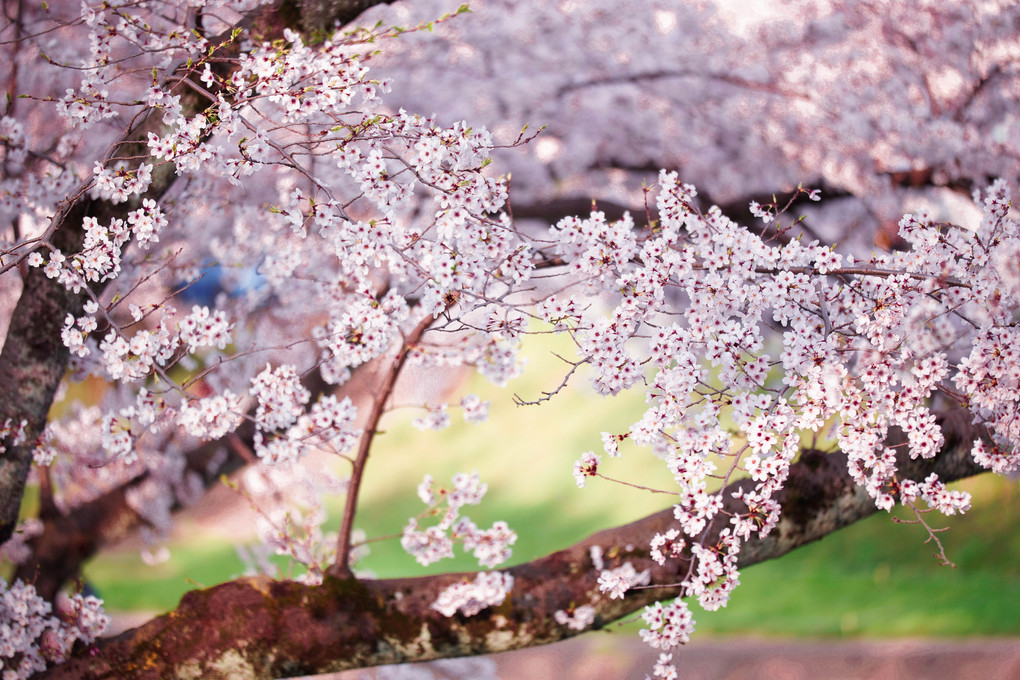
(259, 628)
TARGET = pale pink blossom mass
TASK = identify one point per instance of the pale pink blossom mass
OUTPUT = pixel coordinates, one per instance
(799, 234)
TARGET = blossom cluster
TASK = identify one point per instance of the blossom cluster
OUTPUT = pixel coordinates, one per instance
(100, 258)
(669, 626)
(586, 466)
(936, 495)
(120, 183)
(136, 357)
(491, 547)
(32, 638)
(488, 589)
(204, 329)
(280, 396)
(211, 417)
(667, 546)
(616, 582)
(864, 346)
(12, 432)
(87, 105)
(368, 222)
(434, 418)
(578, 618)
(287, 431)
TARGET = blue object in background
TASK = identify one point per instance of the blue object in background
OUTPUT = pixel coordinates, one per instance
(204, 290)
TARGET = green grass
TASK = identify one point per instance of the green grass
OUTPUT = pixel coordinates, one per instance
(833, 589)
(876, 578)
(127, 584)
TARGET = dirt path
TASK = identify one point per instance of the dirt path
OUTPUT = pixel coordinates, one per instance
(616, 658)
(763, 659)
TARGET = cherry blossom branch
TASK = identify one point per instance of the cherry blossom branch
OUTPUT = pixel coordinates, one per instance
(727, 78)
(555, 209)
(865, 271)
(270, 629)
(31, 369)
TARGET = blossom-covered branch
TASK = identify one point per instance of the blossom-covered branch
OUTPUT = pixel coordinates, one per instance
(218, 234)
(271, 629)
(117, 190)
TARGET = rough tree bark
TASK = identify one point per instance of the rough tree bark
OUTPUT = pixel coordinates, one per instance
(259, 628)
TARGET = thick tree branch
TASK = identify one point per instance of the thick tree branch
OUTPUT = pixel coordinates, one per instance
(683, 74)
(553, 210)
(738, 209)
(259, 628)
(319, 16)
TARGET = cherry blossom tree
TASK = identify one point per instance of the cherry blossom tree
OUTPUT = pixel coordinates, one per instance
(311, 159)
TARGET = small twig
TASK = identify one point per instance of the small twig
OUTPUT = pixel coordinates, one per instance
(546, 396)
(635, 486)
(863, 271)
(941, 556)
